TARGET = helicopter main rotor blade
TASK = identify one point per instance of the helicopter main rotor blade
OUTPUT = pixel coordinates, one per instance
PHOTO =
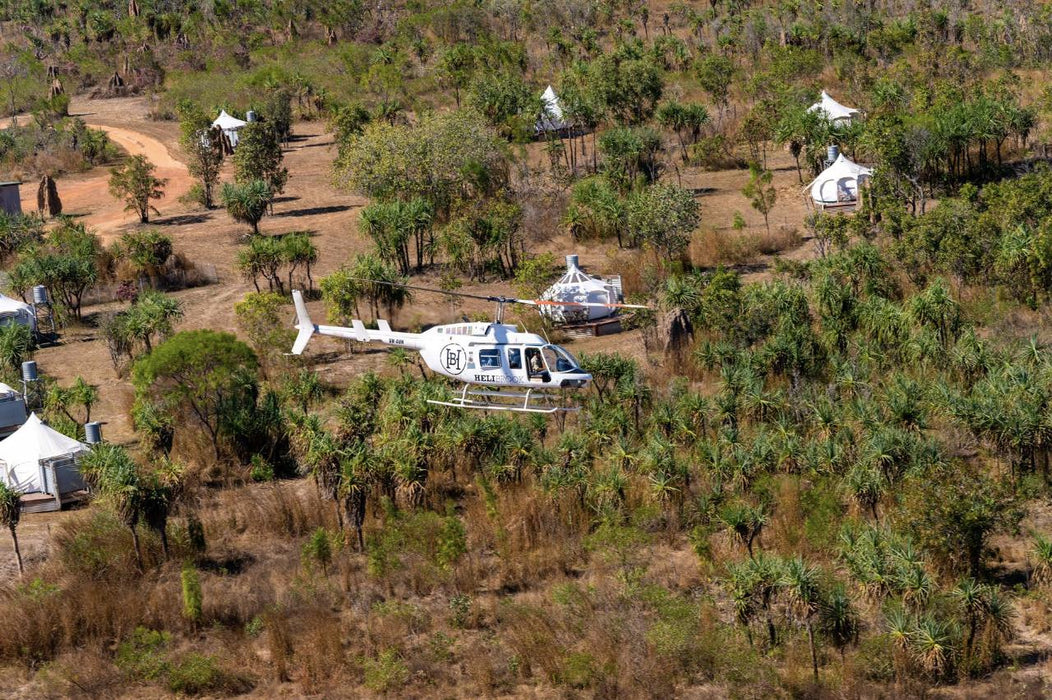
(593, 304)
(506, 300)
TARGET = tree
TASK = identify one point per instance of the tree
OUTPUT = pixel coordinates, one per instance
(202, 375)
(507, 102)
(16, 345)
(714, 74)
(800, 583)
(760, 192)
(663, 217)
(204, 150)
(261, 316)
(343, 289)
(686, 120)
(247, 203)
(455, 67)
(955, 510)
(110, 471)
(67, 264)
(135, 183)
(152, 314)
(445, 158)
(258, 158)
(10, 513)
(146, 250)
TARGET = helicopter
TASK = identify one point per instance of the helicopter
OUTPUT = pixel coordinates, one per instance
(501, 368)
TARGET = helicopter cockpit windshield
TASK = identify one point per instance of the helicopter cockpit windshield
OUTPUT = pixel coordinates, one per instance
(558, 360)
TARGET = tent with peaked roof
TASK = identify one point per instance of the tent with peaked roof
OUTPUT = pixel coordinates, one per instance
(577, 286)
(833, 110)
(230, 127)
(838, 184)
(28, 457)
(552, 117)
(15, 311)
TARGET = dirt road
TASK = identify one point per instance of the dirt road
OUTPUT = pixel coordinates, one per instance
(87, 197)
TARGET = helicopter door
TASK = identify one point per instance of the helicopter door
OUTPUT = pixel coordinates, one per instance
(535, 366)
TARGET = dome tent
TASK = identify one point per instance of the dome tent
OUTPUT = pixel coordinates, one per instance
(577, 286)
(36, 458)
(15, 311)
(552, 117)
(833, 110)
(230, 127)
(838, 184)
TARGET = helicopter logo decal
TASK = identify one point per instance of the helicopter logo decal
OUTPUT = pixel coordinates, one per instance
(453, 358)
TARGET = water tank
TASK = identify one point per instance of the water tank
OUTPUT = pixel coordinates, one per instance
(250, 116)
(40, 295)
(832, 153)
(571, 262)
(29, 371)
(93, 432)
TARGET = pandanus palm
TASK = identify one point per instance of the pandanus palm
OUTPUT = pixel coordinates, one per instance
(10, 513)
(800, 584)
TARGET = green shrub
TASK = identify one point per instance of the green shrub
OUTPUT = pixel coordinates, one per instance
(191, 594)
(195, 674)
(143, 656)
(386, 672)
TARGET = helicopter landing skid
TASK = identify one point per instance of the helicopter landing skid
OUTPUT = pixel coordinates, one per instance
(503, 401)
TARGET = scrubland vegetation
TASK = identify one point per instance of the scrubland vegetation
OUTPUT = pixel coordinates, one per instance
(824, 474)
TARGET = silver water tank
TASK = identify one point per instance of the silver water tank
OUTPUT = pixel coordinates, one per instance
(93, 432)
(572, 261)
(832, 153)
(40, 295)
(29, 371)
(250, 115)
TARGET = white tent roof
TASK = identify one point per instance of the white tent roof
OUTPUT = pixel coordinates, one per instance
(228, 123)
(577, 286)
(838, 182)
(22, 451)
(552, 118)
(833, 110)
(19, 310)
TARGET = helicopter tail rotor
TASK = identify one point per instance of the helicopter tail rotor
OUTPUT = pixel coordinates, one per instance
(303, 323)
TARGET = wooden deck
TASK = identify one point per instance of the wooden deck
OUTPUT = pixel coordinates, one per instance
(46, 503)
(606, 326)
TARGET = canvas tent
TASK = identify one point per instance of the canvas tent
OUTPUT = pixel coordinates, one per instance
(552, 118)
(12, 410)
(15, 311)
(577, 286)
(833, 110)
(838, 184)
(230, 127)
(38, 459)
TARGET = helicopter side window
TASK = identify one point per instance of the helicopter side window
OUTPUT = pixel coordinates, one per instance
(534, 363)
(489, 359)
(514, 358)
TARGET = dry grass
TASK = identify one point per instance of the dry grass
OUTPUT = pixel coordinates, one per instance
(721, 247)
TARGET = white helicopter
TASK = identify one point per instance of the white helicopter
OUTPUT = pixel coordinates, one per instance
(489, 356)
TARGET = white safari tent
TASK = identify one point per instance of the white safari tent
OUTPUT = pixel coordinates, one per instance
(838, 185)
(552, 117)
(36, 459)
(577, 286)
(230, 127)
(833, 110)
(15, 311)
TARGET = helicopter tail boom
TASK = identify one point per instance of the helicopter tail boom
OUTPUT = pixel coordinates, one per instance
(356, 331)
